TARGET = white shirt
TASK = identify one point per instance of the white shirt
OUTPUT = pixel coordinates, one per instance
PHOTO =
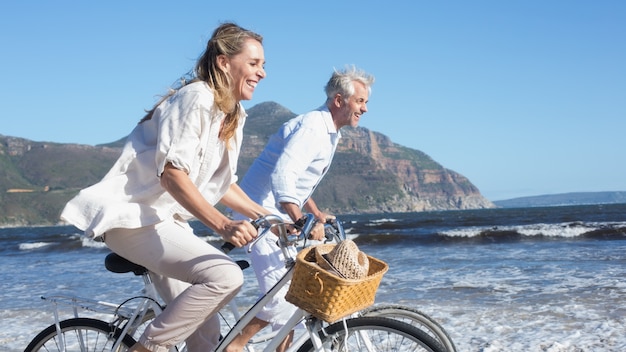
(184, 132)
(294, 161)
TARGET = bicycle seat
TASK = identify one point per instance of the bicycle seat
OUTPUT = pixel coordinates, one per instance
(117, 264)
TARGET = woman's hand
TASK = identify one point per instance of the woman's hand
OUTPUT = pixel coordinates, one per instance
(239, 233)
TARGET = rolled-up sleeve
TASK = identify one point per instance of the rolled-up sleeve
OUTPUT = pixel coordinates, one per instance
(290, 177)
(181, 121)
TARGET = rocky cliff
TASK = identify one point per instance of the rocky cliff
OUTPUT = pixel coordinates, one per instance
(369, 174)
(422, 184)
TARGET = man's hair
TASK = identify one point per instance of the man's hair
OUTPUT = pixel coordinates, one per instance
(341, 82)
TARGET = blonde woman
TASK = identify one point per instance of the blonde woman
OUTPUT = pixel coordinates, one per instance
(177, 164)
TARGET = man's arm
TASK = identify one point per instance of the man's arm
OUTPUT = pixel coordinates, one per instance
(311, 207)
(317, 233)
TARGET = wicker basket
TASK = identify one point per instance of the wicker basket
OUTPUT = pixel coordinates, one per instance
(327, 296)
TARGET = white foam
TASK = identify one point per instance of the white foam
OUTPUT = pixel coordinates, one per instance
(90, 243)
(383, 220)
(377, 222)
(565, 230)
(35, 245)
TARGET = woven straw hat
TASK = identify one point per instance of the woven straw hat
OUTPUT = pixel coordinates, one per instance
(344, 259)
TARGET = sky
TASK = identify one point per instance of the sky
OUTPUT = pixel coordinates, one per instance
(523, 98)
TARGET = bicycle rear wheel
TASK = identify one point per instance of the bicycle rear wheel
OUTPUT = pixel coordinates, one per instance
(413, 317)
(80, 334)
(373, 334)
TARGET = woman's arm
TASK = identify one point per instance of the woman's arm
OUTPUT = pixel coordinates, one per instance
(237, 200)
(177, 183)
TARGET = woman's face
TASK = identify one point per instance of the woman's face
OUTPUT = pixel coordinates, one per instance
(246, 69)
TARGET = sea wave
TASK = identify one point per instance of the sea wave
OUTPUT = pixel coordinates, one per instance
(495, 234)
(562, 230)
(386, 230)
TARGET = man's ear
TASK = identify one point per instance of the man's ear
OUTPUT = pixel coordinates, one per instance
(338, 100)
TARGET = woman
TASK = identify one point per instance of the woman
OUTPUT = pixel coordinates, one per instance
(176, 165)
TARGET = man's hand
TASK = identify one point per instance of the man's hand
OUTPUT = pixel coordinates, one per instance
(318, 232)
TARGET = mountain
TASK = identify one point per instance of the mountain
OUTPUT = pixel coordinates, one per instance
(575, 198)
(369, 174)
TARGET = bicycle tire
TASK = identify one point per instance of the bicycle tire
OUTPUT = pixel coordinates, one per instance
(413, 317)
(92, 334)
(374, 333)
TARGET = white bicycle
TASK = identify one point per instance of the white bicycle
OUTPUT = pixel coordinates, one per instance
(369, 331)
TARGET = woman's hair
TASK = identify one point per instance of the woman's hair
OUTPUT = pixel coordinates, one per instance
(341, 82)
(227, 39)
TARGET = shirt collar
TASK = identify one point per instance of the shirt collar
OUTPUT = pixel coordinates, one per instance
(328, 120)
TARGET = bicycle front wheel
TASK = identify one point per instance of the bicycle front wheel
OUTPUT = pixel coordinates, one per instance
(413, 317)
(80, 335)
(373, 334)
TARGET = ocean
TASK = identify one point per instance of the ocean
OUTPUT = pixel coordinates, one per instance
(523, 279)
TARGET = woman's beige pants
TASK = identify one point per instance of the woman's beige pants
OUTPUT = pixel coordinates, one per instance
(194, 278)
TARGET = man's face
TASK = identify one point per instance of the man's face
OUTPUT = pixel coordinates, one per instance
(352, 108)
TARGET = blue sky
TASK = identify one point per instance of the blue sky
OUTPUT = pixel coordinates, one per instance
(521, 97)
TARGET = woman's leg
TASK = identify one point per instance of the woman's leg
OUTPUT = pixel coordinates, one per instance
(205, 335)
(171, 250)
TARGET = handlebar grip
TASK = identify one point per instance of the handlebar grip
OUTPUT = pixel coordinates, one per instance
(227, 246)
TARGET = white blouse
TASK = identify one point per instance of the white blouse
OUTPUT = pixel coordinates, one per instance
(183, 131)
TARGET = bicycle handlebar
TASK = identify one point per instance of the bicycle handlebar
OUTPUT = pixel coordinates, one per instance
(333, 230)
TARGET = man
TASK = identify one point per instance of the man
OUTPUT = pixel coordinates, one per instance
(284, 176)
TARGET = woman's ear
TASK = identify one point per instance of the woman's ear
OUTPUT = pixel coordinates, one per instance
(223, 63)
